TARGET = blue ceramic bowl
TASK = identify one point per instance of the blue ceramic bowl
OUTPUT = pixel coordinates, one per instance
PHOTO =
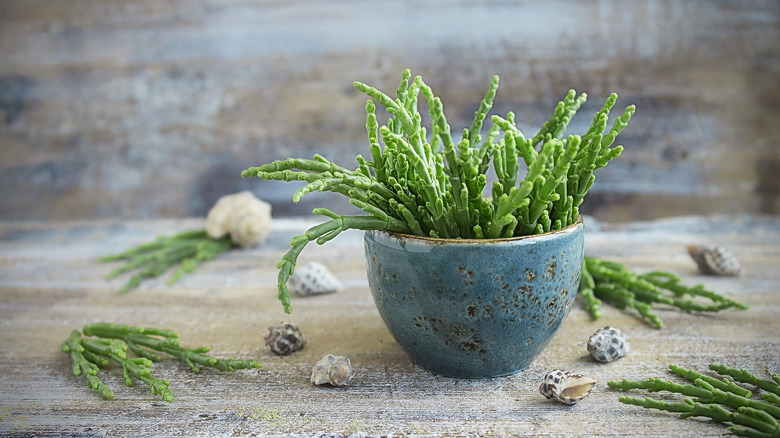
(474, 308)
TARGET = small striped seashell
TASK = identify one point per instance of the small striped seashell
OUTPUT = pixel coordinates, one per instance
(284, 339)
(313, 279)
(566, 387)
(715, 261)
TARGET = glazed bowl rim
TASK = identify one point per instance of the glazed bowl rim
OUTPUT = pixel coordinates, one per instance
(579, 223)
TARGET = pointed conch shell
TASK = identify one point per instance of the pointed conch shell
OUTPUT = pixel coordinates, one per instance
(566, 387)
(243, 216)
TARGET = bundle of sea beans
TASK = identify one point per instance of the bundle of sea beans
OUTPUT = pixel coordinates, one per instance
(431, 185)
(186, 250)
(719, 399)
(110, 343)
(613, 283)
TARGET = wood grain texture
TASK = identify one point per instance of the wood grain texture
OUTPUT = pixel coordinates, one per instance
(50, 285)
(145, 109)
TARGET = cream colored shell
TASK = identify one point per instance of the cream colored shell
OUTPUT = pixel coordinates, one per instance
(243, 216)
(333, 370)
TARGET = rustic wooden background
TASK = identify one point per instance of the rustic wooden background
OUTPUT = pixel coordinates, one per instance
(144, 109)
(51, 285)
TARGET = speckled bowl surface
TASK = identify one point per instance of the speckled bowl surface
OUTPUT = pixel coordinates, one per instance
(474, 308)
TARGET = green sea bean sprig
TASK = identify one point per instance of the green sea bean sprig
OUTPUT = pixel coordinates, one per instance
(722, 400)
(611, 282)
(423, 180)
(110, 342)
(186, 250)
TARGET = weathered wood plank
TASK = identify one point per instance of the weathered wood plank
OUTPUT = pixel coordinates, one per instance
(50, 285)
(104, 103)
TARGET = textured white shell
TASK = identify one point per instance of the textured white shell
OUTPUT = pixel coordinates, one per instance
(332, 370)
(284, 339)
(313, 279)
(243, 216)
(715, 261)
(608, 344)
(566, 387)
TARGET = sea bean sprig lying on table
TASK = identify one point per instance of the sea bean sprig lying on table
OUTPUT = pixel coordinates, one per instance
(111, 342)
(612, 282)
(421, 181)
(150, 260)
(721, 400)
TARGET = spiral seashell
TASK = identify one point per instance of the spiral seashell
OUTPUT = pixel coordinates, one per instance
(250, 224)
(243, 216)
(607, 344)
(566, 387)
(284, 339)
(313, 279)
(332, 370)
(218, 218)
(715, 261)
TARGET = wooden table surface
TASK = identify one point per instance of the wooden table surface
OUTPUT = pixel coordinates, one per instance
(50, 285)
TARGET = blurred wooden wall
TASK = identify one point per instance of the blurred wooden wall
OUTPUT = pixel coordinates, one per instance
(141, 109)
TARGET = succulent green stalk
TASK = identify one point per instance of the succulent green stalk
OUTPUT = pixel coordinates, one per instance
(187, 250)
(587, 284)
(111, 342)
(720, 400)
(432, 185)
(744, 376)
(611, 282)
(322, 233)
(724, 384)
(83, 366)
(164, 341)
(747, 421)
(132, 368)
